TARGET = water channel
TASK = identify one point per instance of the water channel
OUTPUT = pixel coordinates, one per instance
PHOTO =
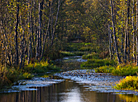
(68, 87)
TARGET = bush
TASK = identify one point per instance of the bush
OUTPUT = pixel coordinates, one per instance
(94, 63)
(128, 83)
(126, 70)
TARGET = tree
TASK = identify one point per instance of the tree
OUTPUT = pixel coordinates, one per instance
(136, 32)
(114, 32)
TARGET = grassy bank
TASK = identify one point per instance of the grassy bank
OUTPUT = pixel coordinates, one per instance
(110, 66)
(9, 75)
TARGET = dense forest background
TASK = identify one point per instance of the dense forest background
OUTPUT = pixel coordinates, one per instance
(35, 30)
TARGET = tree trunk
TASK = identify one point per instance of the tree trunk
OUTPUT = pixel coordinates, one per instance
(128, 22)
(39, 36)
(125, 47)
(110, 41)
(133, 27)
(114, 32)
(137, 32)
(16, 32)
(53, 32)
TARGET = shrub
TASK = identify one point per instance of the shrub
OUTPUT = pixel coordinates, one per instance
(128, 83)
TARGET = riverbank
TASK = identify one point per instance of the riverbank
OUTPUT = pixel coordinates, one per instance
(100, 82)
(10, 76)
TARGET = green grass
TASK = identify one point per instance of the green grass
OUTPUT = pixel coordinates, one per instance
(27, 75)
(74, 53)
(94, 63)
(120, 70)
(125, 70)
(104, 69)
(91, 56)
(85, 47)
(41, 67)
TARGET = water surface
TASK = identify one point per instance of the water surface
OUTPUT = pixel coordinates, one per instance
(66, 91)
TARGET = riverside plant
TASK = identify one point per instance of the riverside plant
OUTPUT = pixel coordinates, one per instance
(128, 83)
(125, 70)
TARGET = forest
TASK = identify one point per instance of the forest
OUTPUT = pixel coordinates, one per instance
(34, 33)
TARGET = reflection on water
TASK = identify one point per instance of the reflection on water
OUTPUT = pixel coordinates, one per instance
(66, 91)
(129, 98)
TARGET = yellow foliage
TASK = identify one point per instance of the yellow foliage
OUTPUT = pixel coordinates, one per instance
(128, 98)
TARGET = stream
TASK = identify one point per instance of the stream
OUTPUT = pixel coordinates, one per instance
(70, 86)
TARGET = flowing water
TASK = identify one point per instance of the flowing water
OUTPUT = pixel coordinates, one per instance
(70, 86)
